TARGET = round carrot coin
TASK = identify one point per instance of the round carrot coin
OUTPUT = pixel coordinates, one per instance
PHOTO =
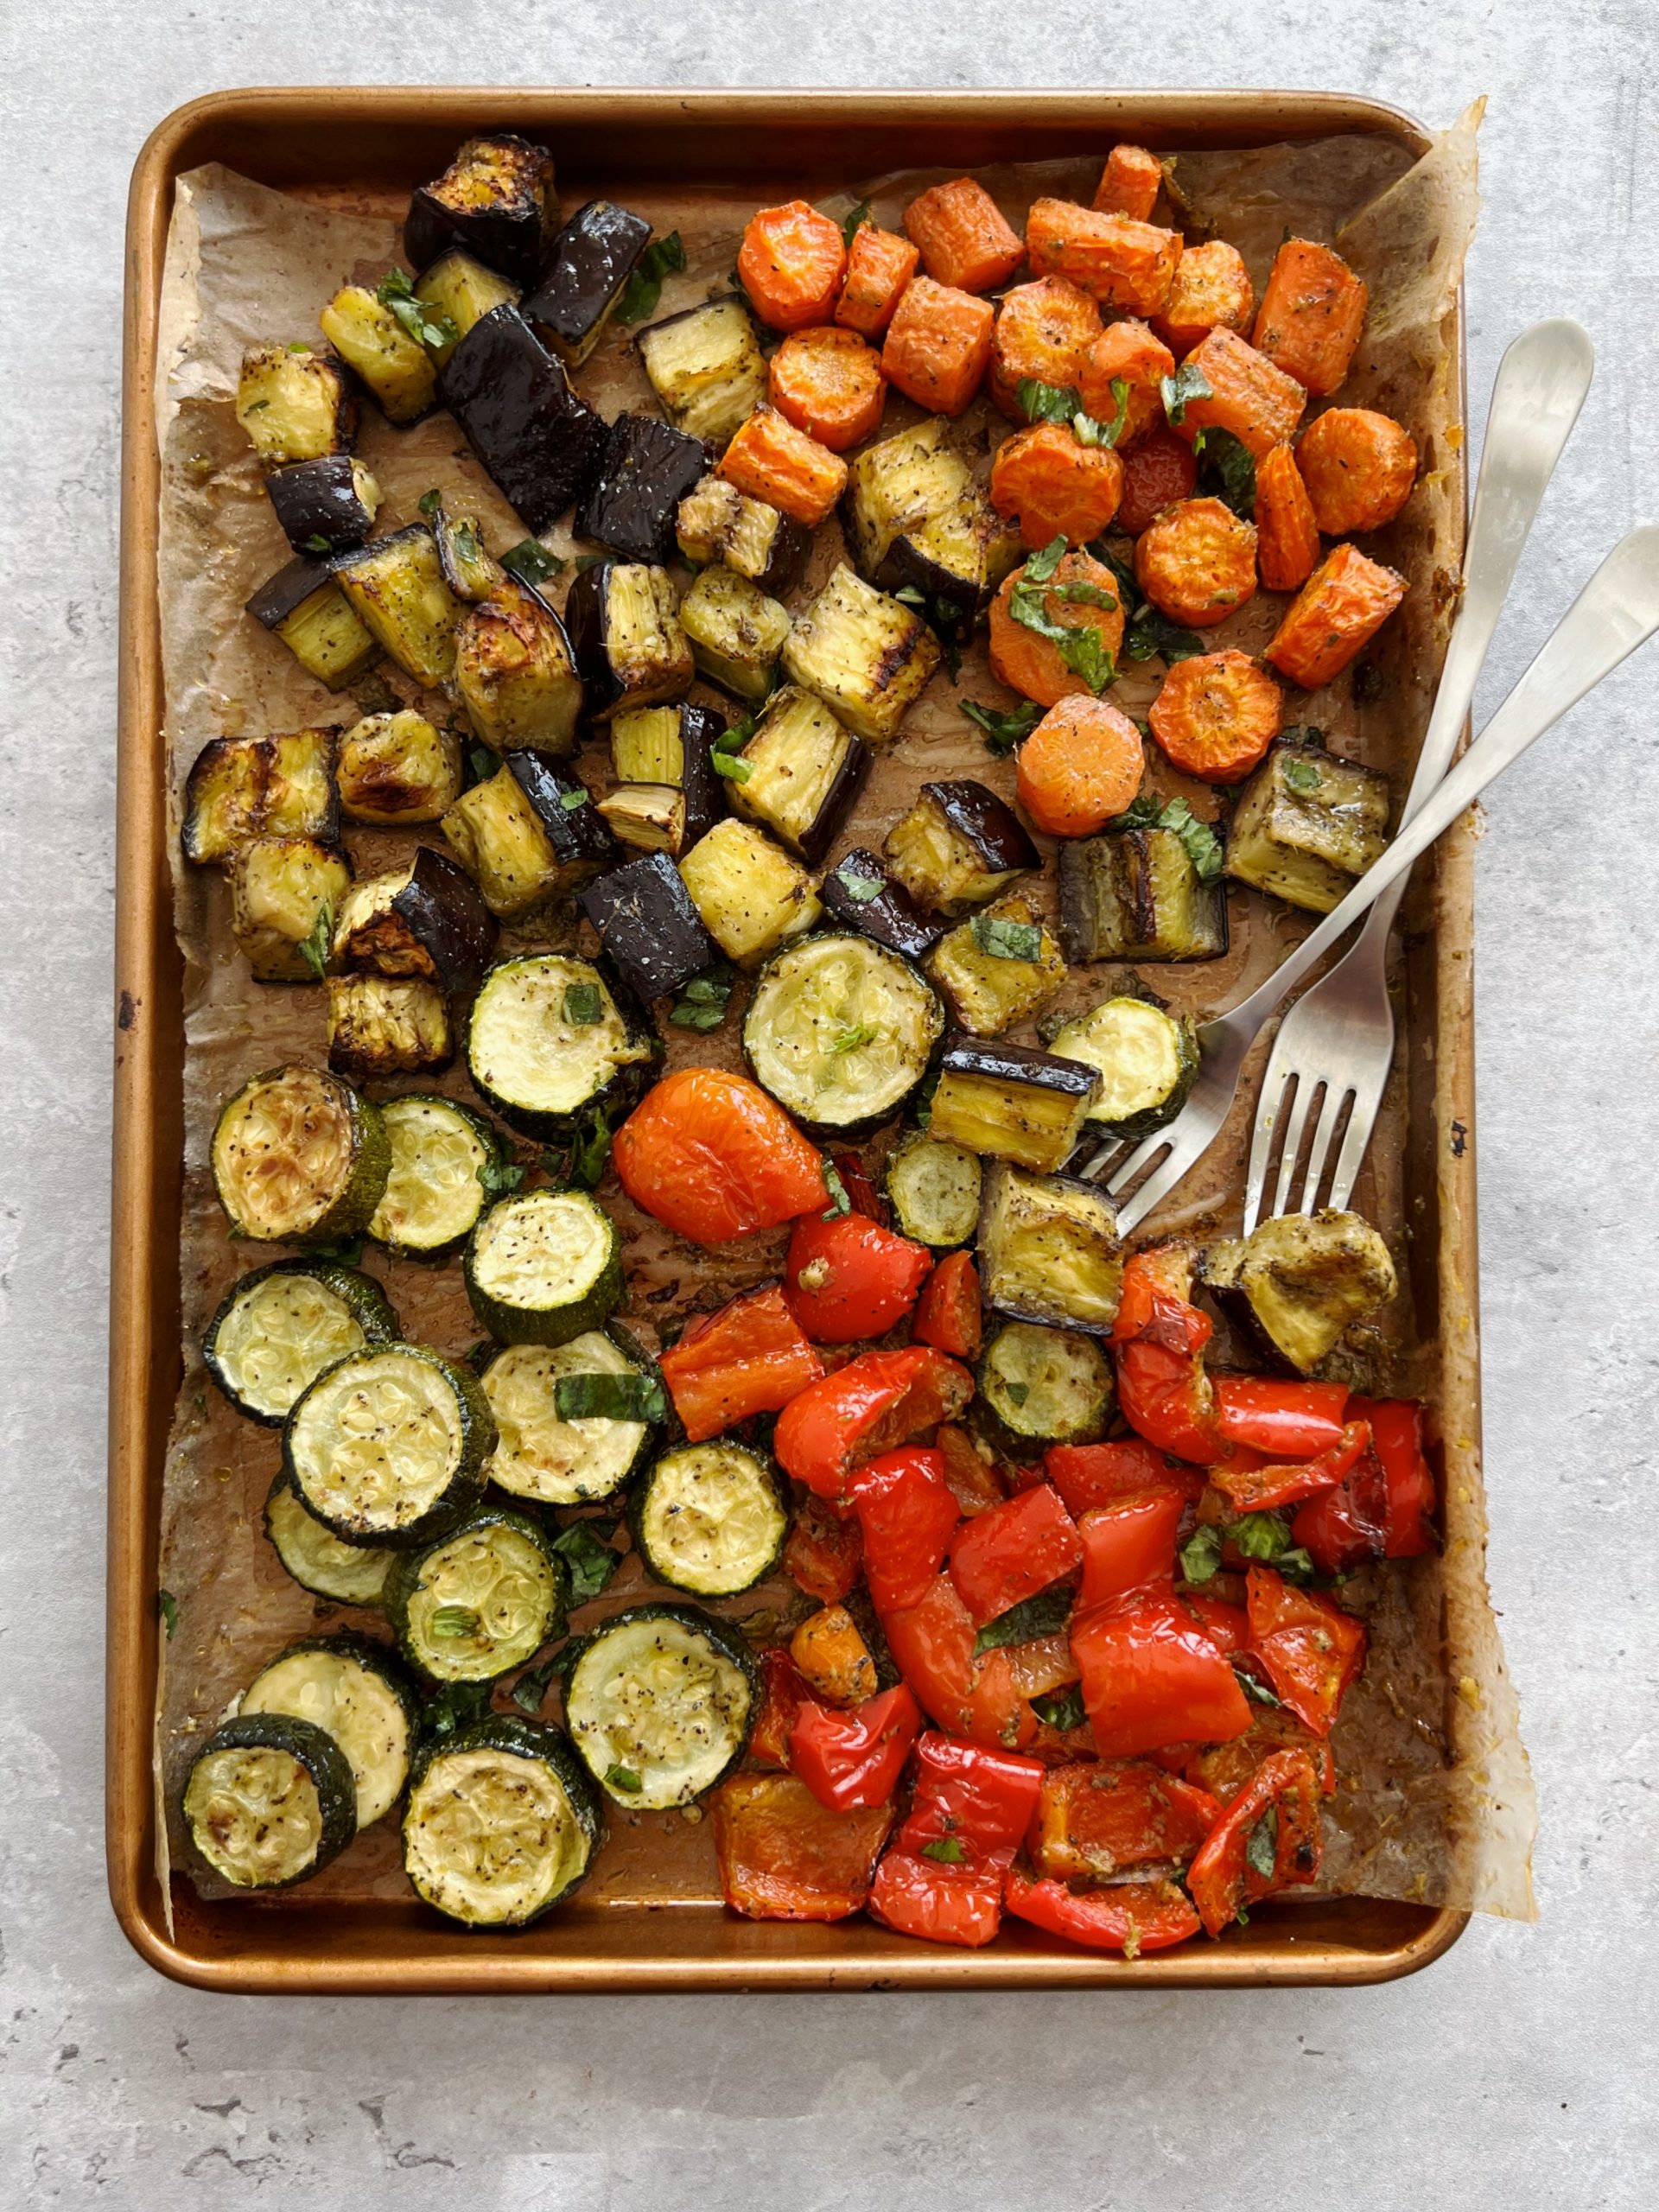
(1127, 354)
(1042, 330)
(1157, 472)
(790, 264)
(1057, 486)
(829, 383)
(1080, 766)
(1217, 715)
(1358, 467)
(1027, 661)
(1196, 562)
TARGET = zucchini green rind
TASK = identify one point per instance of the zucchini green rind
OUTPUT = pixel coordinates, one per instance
(554, 1038)
(299, 1158)
(542, 1266)
(481, 1600)
(387, 1446)
(708, 1519)
(278, 1328)
(347, 1574)
(501, 1823)
(659, 1704)
(933, 1188)
(1148, 1058)
(355, 1691)
(841, 1032)
(445, 1157)
(269, 1800)
(542, 1457)
(1040, 1386)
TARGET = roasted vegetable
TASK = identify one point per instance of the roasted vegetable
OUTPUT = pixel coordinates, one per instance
(717, 522)
(648, 925)
(1148, 1058)
(324, 505)
(790, 264)
(281, 889)
(392, 362)
(516, 674)
(295, 405)
(916, 519)
(588, 269)
(937, 347)
(648, 817)
(518, 1781)
(1049, 1249)
(707, 368)
(736, 632)
(896, 486)
(354, 1689)
(554, 1041)
(672, 745)
(382, 1025)
(441, 1153)
(750, 894)
(304, 606)
(496, 198)
(480, 1600)
(239, 788)
(962, 236)
(528, 835)
(933, 1187)
(269, 1800)
(647, 469)
(829, 383)
(469, 569)
(1335, 615)
(461, 291)
(958, 846)
(1012, 1102)
(397, 585)
(861, 895)
(626, 638)
(512, 397)
(388, 1445)
(546, 1457)
(1081, 767)
(841, 1033)
(1040, 1386)
(865, 655)
(423, 919)
(1308, 824)
(350, 1575)
(660, 1703)
(298, 1157)
(1301, 1279)
(768, 459)
(804, 772)
(997, 967)
(1137, 894)
(278, 1327)
(398, 770)
(708, 1519)
(542, 1266)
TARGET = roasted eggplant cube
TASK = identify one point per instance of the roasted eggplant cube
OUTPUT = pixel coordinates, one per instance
(1135, 894)
(398, 771)
(394, 364)
(897, 486)
(648, 925)
(865, 655)
(515, 673)
(707, 368)
(470, 570)
(324, 506)
(591, 261)
(396, 584)
(423, 919)
(958, 846)
(805, 771)
(626, 634)
(463, 291)
(541, 445)
(750, 894)
(736, 632)
(1049, 1249)
(1308, 825)
(382, 1025)
(1012, 1103)
(529, 834)
(998, 968)
(861, 895)
(673, 745)
(304, 606)
(648, 468)
(1301, 1281)
(717, 522)
(649, 817)
(956, 559)
(280, 888)
(239, 788)
(295, 405)
(496, 198)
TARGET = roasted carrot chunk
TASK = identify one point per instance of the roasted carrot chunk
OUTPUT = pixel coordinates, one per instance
(1081, 765)
(829, 384)
(1211, 291)
(938, 345)
(1286, 534)
(1311, 315)
(1057, 486)
(1044, 330)
(1258, 403)
(1126, 353)
(771, 460)
(880, 264)
(791, 262)
(1342, 604)
(833, 1657)
(1196, 562)
(964, 237)
(1217, 715)
(1027, 661)
(1129, 183)
(782, 1856)
(1123, 263)
(1358, 467)
(1156, 473)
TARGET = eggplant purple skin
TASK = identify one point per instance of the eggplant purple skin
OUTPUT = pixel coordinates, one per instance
(444, 910)
(579, 834)
(648, 468)
(317, 499)
(838, 801)
(989, 823)
(584, 622)
(511, 241)
(278, 596)
(648, 925)
(700, 780)
(588, 264)
(965, 1055)
(540, 444)
(891, 919)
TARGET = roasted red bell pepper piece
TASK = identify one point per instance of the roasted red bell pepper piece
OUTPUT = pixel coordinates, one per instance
(1129, 1917)
(1265, 1489)
(782, 1856)
(824, 1553)
(750, 1358)
(975, 1483)
(783, 1693)
(940, 1903)
(1311, 1649)
(1098, 1817)
(1158, 1340)
(855, 1758)
(1397, 1440)
(850, 1278)
(975, 1695)
(877, 1401)
(1286, 1421)
(947, 1310)
(999, 1557)
(942, 1876)
(1128, 1548)
(1152, 1676)
(1224, 1877)
(712, 1156)
(1227, 1625)
(906, 1512)
(1223, 1769)
(1088, 1475)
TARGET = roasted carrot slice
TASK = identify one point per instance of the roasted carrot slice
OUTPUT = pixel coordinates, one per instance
(1129, 183)
(1124, 264)
(1126, 353)
(1311, 315)
(1156, 473)
(1258, 403)
(1196, 562)
(1024, 660)
(771, 460)
(1057, 486)
(1044, 330)
(1358, 467)
(880, 264)
(938, 345)
(1217, 715)
(1081, 765)
(791, 263)
(829, 384)
(1286, 535)
(1342, 604)
(1211, 291)
(964, 237)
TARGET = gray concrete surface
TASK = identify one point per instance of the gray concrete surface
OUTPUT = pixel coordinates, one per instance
(1516, 2073)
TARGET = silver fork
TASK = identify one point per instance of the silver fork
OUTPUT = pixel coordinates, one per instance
(1335, 1045)
(1617, 611)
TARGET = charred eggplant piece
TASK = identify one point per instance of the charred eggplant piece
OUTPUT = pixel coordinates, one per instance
(1049, 1249)
(649, 817)
(997, 967)
(324, 506)
(1012, 1102)
(425, 920)
(515, 673)
(496, 198)
(956, 559)
(626, 634)
(648, 925)
(589, 265)
(805, 771)
(394, 364)
(540, 444)
(387, 1025)
(896, 486)
(736, 632)
(396, 585)
(463, 291)
(861, 895)
(865, 655)
(707, 368)
(647, 469)
(529, 834)
(1301, 1281)
(1136, 894)
(398, 770)
(281, 887)
(1308, 825)
(239, 788)
(470, 570)
(295, 405)
(717, 522)
(957, 846)
(304, 606)
(750, 894)
(673, 745)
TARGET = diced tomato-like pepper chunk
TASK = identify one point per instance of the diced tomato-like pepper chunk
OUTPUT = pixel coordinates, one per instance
(1098, 1817)
(1265, 1488)
(999, 1557)
(1129, 1917)
(976, 1695)
(710, 1155)
(906, 1510)
(824, 1552)
(1287, 1420)
(783, 1856)
(876, 1402)
(947, 1310)
(783, 1693)
(1224, 1876)
(1312, 1651)
(1152, 1676)
(1089, 1475)
(750, 1358)
(855, 1758)
(1127, 1547)
(850, 1278)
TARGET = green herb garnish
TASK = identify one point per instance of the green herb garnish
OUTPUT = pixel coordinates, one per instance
(947, 1849)
(850, 1040)
(1201, 1554)
(497, 1177)
(912, 595)
(624, 1778)
(318, 544)
(582, 1007)
(583, 1549)
(167, 1605)
(466, 541)
(1204, 848)
(482, 762)
(1265, 1537)
(702, 1005)
(454, 1707)
(429, 505)
(1187, 384)
(861, 889)
(315, 945)
(1262, 1850)
(644, 287)
(571, 800)
(1254, 1688)
(1003, 732)
(839, 1202)
(854, 222)
(1082, 648)
(1301, 775)
(396, 291)
(729, 764)
(1065, 1709)
(531, 562)
(1045, 1614)
(1232, 465)
(609, 1397)
(455, 1620)
(1004, 940)
(531, 1687)
(1046, 403)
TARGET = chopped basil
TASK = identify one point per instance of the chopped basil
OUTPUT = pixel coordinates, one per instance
(454, 1707)
(1121, 402)
(345, 1254)
(582, 1007)
(1265, 1537)
(1187, 384)
(1306, 735)
(1231, 463)
(497, 1177)
(727, 765)
(1301, 775)
(1045, 1614)
(947, 1849)
(1088, 432)
(428, 505)
(298, 345)
(702, 1005)
(1084, 594)
(1063, 1710)
(1203, 847)
(839, 1202)
(572, 799)
(1046, 403)
(609, 1397)
(862, 888)
(466, 539)
(1017, 1393)
(582, 1160)
(316, 943)
(396, 291)
(854, 222)
(911, 594)
(169, 1606)
(317, 543)
(1261, 1848)
(531, 1687)
(1253, 1688)
(623, 1778)
(1003, 732)
(644, 287)
(1005, 940)
(1201, 1554)
(455, 1620)
(850, 1040)
(583, 1549)
(482, 762)
(531, 562)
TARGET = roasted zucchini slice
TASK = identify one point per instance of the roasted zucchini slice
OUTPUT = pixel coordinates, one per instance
(998, 967)
(933, 1187)
(672, 745)
(278, 1328)
(501, 1823)
(553, 1040)
(515, 674)
(269, 1800)
(736, 632)
(295, 405)
(396, 584)
(588, 269)
(1302, 1279)
(390, 360)
(398, 771)
(425, 920)
(648, 925)
(386, 1447)
(660, 1703)
(625, 633)
(1148, 1058)
(304, 606)
(354, 1690)
(708, 1519)
(347, 1574)
(1042, 1386)
(958, 846)
(541, 445)
(446, 1160)
(1013, 1102)
(717, 522)
(381, 1025)
(529, 834)
(805, 771)
(894, 487)
(752, 896)
(324, 505)
(480, 1600)
(861, 895)
(1307, 826)
(542, 1266)
(707, 368)
(299, 1158)
(281, 889)
(470, 570)
(240, 788)
(496, 198)
(647, 469)
(463, 291)
(865, 655)
(841, 1033)
(1049, 1249)
(543, 1456)
(1135, 894)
